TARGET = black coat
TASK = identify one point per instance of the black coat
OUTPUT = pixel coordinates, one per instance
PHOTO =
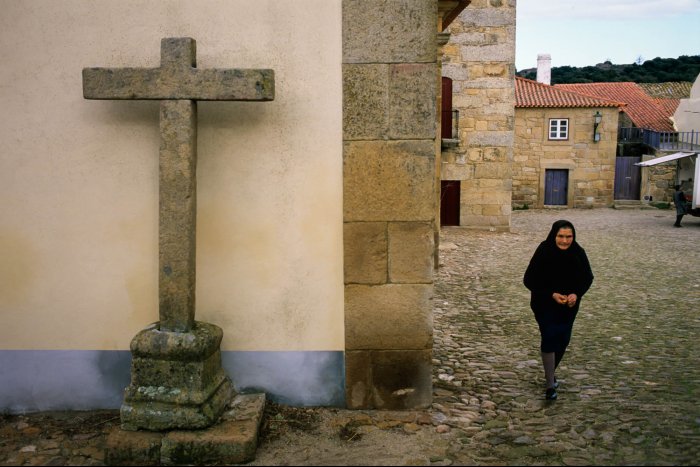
(554, 270)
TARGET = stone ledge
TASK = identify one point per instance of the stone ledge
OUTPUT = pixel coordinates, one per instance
(231, 441)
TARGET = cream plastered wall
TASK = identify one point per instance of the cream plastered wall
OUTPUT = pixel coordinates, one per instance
(687, 116)
(79, 178)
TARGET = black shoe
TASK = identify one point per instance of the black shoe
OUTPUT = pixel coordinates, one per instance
(551, 394)
(676, 225)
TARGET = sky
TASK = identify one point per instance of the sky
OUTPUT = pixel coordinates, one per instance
(585, 32)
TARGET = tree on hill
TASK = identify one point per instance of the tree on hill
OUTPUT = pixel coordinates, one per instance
(658, 70)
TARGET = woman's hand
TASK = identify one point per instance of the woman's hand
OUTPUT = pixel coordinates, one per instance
(571, 300)
(560, 298)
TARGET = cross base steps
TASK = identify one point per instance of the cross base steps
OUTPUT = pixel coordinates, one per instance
(233, 440)
(177, 381)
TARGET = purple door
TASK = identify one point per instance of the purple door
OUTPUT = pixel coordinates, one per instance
(627, 178)
(555, 187)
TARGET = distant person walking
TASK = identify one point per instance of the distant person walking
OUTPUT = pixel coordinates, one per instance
(558, 276)
(679, 201)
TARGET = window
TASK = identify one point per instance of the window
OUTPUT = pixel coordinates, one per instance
(558, 128)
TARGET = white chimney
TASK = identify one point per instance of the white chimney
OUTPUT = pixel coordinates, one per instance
(544, 68)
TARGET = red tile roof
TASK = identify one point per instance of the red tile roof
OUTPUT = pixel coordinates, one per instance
(529, 93)
(668, 90)
(644, 110)
(669, 106)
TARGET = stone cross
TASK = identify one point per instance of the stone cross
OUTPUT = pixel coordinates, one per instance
(178, 84)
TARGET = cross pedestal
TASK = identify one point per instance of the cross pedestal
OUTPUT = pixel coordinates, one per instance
(177, 381)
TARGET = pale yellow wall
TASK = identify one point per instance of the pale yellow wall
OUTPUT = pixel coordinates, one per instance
(78, 178)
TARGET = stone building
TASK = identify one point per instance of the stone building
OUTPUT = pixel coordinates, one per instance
(564, 152)
(478, 68)
(390, 118)
(650, 108)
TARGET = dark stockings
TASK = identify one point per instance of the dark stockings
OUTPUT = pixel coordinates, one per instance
(550, 361)
(557, 358)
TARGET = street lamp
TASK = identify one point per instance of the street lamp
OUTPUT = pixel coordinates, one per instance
(597, 118)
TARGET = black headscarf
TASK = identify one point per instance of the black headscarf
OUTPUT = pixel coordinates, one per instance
(552, 269)
(562, 223)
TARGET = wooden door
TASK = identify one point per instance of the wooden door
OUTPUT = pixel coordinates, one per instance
(449, 202)
(627, 177)
(556, 186)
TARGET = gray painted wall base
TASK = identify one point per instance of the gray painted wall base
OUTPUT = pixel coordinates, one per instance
(39, 380)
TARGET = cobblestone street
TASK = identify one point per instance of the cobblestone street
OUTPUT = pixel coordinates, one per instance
(630, 381)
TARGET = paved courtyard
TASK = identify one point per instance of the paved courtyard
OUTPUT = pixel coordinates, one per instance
(630, 382)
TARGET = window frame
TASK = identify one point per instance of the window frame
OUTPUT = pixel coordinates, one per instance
(558, 130)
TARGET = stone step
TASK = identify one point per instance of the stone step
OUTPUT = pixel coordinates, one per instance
(627, 204)
(233, 440)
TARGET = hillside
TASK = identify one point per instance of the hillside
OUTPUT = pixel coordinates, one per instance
(658, 70)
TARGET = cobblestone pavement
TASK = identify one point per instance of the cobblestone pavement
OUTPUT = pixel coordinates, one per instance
(630, 382)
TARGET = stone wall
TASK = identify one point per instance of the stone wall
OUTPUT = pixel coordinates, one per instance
(591, 164)
(479, 58)
(657, 181)
(389, 116)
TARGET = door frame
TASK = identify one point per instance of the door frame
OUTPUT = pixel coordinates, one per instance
(557, 175)
(557, 164)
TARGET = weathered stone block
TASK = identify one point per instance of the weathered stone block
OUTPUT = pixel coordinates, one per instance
(493, 53)
(410, 252)
(132, 447)
(455, 71)
(489, 17)
(186, 377)
(392, 316)
(386, 31)
(228, 442)
(389, 181)
(401, 379)
(358, 379)
(497, 170)
(365, 101)
(177, 380)
(201, 342)
(492, 138)
(412, 101)
(178, 214)
(146, 411)
(365, 246)
(232, 441)
(491, 210)
(388, 380)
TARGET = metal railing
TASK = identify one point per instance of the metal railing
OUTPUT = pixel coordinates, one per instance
(630, 135)
(667, 140)
(450, 124)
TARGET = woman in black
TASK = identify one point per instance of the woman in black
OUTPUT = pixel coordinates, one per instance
(558, 275)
